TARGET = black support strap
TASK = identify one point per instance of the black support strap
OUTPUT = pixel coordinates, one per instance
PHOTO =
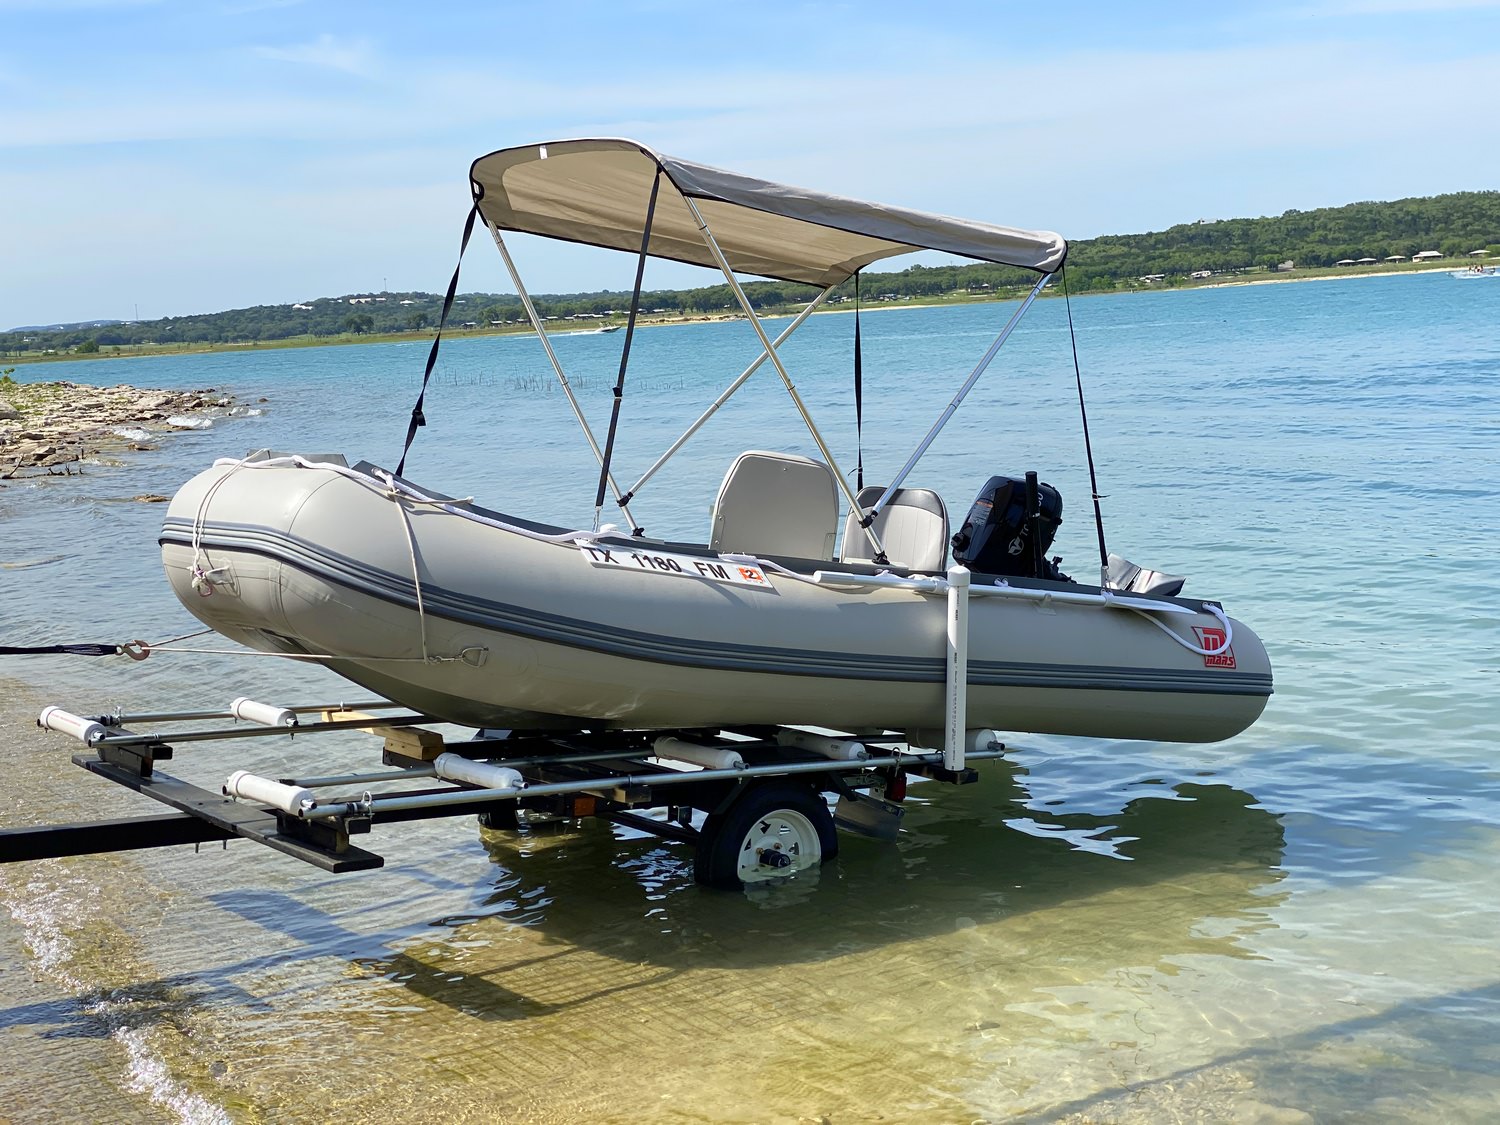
(65, 650)
(418, 419)
(635, 308)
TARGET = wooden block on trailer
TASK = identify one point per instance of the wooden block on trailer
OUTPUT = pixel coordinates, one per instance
(409, 743)
(412, 742)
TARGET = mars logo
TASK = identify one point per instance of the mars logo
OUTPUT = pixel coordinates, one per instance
(1212, 638)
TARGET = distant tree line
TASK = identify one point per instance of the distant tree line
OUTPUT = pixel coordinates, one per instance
(1453, 224)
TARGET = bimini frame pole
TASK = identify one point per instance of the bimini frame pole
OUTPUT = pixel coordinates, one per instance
(812, 306)
(770, 351)
(959, 397)
(536, 323)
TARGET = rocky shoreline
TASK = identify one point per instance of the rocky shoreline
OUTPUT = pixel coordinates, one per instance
(56, 427)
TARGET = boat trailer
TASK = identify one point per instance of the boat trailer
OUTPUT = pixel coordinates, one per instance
(760, 791)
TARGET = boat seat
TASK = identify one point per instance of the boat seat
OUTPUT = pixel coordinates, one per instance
(776, 504)
(1124, 575)
(913, 526)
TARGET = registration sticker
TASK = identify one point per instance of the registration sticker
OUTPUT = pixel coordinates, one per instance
(676, 566)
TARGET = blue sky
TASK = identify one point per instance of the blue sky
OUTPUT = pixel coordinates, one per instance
(172, 157)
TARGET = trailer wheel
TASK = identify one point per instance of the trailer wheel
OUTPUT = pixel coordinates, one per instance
(775, 829)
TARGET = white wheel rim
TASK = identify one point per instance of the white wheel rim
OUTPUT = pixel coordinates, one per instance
(781, 832)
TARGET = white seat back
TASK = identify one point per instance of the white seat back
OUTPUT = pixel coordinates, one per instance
(913, 528)
(776, 504)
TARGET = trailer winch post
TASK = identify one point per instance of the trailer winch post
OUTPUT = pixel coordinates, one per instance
(957, 694)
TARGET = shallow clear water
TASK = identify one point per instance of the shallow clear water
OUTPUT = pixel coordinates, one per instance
(1299, 921)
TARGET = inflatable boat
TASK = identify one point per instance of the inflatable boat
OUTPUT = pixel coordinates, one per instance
(811, 603)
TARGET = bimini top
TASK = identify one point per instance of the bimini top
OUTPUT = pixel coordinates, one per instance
(596, 192)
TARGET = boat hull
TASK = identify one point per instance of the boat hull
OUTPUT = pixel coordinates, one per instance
(507, 629)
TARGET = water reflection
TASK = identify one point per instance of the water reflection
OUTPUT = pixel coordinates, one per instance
(591, 967)
(958, 866)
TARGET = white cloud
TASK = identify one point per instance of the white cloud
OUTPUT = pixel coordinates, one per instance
(1087, 143)
(351, 56)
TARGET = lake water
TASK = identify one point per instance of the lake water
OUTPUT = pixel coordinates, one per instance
(1299, 924)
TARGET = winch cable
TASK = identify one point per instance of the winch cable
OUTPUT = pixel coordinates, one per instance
(614, 417)
(1088, 446)
(418, 419)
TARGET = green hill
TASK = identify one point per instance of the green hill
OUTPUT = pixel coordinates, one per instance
(1331, 237)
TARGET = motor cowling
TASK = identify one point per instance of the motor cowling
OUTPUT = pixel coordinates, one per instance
(997, 535)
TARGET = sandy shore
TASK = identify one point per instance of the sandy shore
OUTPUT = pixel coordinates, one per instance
(1325, 277)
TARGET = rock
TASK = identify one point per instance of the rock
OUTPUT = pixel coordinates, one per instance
(62, 424)
(151, 498)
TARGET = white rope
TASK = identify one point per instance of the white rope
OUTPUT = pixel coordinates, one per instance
(390, 485)
(416, 576)
(1187, 644)
(774, 568)
(204, 580)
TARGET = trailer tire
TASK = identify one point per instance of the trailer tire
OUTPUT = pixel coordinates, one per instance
(774, 830)
(503, 817)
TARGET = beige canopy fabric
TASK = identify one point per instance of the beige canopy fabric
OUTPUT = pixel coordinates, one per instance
(595, 192)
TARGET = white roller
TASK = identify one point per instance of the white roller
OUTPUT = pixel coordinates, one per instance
(709, 757)
(87, 731)
(974, 739)
(839, 749)
(266, 714)
(486, 775)
(288, 798)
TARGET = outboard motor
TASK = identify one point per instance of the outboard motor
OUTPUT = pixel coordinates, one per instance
(1003, 534)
